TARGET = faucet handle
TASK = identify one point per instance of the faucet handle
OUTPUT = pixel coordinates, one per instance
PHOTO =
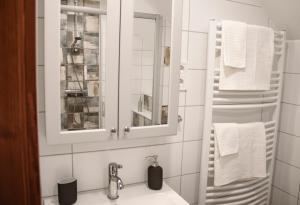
(113, 168)
(120, 183)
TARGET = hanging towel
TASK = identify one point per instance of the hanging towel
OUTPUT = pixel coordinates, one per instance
(259, 61)
(234, 35)
(250, 162)
(227, 137)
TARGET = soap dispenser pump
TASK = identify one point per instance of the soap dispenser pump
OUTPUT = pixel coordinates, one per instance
(155, 174)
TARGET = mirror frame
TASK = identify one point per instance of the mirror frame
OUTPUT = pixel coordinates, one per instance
(126, 43)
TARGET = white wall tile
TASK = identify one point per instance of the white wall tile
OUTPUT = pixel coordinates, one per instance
(46, 149)
(40, 41)
(182, 95)
(193, 123)
(290, 118)
(53, 169)
(136, 72)
(147, 72)
(291, 89)
(180, 129)
(289, 149)
(147, 58)
(185, 14)
(201, 11)
(137, 42)
(293, 60)
(167, 42)
(191, 157)
(184, 47)
(137, 58)
(190, 187)
(281, 198)
(194, 83)
(197, 50)
(174, 183)
(287, 178)
(91, 168)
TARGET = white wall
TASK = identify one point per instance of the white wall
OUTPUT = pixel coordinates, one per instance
(287, 171)
(179, 156)
(285, 14)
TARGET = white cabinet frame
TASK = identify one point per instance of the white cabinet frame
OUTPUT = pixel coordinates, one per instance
(126, 43)
(52, 75)
(119, 34)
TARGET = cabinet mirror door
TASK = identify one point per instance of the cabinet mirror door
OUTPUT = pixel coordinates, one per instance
(81, 39)
(149, 67)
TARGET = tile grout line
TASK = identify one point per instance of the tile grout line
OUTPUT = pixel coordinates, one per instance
(291, 73)
(122, 148)
(288, 103)
(276, 187)
(290, 134)
(286, 163)
(245, 4)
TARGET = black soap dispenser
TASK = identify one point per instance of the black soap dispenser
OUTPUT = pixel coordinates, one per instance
(155, 174)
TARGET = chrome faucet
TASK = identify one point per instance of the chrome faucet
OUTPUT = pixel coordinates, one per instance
(115, 183)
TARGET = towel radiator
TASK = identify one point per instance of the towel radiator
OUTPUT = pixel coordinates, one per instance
(245, 103)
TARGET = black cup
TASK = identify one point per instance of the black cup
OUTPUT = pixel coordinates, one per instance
(67, 191)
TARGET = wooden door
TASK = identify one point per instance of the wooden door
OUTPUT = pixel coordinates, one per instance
(19, 165)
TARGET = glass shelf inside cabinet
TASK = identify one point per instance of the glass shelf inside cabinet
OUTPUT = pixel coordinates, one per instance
(82, 70)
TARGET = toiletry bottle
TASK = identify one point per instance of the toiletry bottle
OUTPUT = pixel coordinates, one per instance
(155, 174)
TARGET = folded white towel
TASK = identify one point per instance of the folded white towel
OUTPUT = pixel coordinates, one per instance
(234, 35)
(227, 137)
(250, 162)
(259, 61)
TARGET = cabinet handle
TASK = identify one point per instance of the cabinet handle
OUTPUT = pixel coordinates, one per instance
(127, 129)
(179, 119)
(113, 130)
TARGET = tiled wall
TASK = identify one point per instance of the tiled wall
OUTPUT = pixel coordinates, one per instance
(179, 155)
(287, 171)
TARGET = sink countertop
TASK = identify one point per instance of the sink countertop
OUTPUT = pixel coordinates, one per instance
(131, 195)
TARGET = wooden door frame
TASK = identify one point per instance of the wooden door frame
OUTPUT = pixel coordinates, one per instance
(19, 158)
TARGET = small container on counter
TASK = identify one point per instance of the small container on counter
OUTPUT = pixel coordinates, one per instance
(155, 174)
(67, 191)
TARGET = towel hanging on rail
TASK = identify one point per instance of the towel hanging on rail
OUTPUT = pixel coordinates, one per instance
(259, 62)
(234, 43)
(249, 162)
(227, 137)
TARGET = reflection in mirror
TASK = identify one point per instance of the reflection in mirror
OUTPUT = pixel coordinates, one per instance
(82, 65)
(151, 62)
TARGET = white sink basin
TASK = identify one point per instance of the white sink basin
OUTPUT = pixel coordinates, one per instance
(131, 195)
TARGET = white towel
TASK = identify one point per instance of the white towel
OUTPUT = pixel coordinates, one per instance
(250, 162)
(259, 61)
(227, 137)
(234, 35)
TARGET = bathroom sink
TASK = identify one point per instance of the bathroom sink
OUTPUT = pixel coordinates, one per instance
(131, 195)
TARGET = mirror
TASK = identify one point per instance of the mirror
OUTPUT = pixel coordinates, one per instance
(150, 72)
(82, 70)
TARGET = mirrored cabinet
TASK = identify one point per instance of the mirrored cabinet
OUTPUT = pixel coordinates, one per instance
(111, 69)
